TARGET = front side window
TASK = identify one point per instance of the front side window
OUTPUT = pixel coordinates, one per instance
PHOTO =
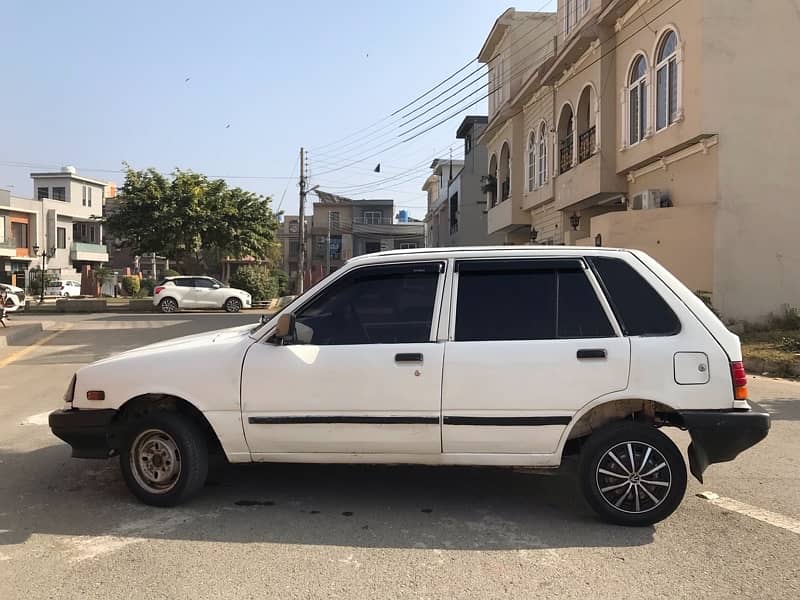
(639, 308)
(530, 300)
(202, 282)
(373, 305)
(637, 101)
(667, 81)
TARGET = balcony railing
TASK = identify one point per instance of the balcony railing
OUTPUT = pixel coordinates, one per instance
(505, 190)
(586, 141)
(565, 154)
(373, 221)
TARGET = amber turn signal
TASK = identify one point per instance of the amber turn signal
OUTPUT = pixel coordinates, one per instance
(95, 395)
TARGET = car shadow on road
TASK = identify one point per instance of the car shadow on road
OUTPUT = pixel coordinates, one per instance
(782, 409)
(467, 508)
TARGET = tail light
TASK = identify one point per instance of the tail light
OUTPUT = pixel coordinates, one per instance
(159, 289)
(739, 377)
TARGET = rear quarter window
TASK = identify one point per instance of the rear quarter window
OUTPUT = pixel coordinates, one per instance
(639, 308)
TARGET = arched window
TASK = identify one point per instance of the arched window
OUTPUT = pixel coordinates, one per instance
(531, 161)
(637, 101)
(543, 153)
(566, 139)
(667, 80)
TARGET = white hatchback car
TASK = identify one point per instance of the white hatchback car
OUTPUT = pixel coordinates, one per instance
(64, 288)
(175, 293)
(476, 356)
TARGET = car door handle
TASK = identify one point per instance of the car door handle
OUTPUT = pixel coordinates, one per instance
(592, 353)
(408, 357)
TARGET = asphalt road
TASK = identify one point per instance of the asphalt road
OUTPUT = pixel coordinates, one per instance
(69, 528)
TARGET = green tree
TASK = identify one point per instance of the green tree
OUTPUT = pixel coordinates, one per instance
(131, 284)
(191, 219)
(256, 281)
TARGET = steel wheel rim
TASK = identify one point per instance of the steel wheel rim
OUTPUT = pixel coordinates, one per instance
(155, 461)
(232, 305)
(633, 477)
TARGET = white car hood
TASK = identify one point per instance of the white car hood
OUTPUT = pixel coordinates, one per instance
(181, 344)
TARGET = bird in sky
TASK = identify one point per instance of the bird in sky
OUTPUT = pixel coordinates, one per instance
(186, 80)
(228, 126)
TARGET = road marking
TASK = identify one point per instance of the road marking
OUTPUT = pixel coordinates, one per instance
(14, 356)
(40, 419)
(767, 516)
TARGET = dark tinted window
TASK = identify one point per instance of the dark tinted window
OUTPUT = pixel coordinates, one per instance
(374, 305)
(506, 305)
(200, 282)
(580, 314)
(639, 308)
(183, 282)
(528, 304)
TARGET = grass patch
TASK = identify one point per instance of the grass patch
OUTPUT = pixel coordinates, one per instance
(779, 347)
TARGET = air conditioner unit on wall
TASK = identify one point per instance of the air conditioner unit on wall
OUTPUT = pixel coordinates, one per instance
(646, 200)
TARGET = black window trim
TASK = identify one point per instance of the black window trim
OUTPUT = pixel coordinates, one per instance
(533, 263)
(437, 265)
(615, 310)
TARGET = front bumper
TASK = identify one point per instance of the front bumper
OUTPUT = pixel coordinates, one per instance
(87, 431)
(720, 435)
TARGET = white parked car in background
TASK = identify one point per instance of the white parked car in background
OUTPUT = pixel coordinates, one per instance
(64, 288)
(175, 293)
(477, 356)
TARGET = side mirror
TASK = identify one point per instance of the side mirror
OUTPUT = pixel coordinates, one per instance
(216, 286)
(286, 326)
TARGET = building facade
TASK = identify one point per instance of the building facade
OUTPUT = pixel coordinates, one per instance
(456, 204)
(63, 219)
(652, 125)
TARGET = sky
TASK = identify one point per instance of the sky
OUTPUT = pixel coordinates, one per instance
(235, 89)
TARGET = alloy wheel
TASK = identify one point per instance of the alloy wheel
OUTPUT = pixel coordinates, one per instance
(633, 477)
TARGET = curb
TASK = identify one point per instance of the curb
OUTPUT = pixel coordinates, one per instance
(15, 333)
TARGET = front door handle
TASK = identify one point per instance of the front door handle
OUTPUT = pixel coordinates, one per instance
(408, 357)
(592, 353)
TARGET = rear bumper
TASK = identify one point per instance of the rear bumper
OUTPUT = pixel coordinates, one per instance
(720, 435)
(87, 431)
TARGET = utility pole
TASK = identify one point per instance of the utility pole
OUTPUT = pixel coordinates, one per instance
(301, 259)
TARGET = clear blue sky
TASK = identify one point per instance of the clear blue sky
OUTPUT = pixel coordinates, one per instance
(95, 83)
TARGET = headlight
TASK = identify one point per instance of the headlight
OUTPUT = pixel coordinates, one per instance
(70, 393)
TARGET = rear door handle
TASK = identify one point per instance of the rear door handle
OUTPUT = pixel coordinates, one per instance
(408, 357)
(592, 353)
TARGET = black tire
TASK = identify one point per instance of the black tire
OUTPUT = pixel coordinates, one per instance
(232, 305)
(66, 294)
(168, 305)
(641, 451)
(183, 442)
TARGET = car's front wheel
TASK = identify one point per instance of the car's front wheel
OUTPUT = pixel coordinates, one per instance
(164, 459)
(632, 474)
(232, 305)
(168, 305)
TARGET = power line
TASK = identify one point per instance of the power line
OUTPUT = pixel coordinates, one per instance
(373, 135)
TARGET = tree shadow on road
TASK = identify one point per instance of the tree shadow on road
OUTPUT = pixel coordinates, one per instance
(449, 508)
(782, 409)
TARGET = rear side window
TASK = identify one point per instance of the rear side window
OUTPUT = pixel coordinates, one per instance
(639, 308)
(184, 282)
(527, 302)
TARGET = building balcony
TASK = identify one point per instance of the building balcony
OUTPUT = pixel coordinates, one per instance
(8, 248)
(86, 252)
(505, 217)
(589, 182)
(538, 196)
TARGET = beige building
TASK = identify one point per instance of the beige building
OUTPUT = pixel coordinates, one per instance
(654, 124)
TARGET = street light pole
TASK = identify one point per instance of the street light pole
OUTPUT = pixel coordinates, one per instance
(43, 256)
(301, 259)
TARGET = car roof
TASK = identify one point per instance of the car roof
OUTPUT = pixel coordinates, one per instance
(482, 252)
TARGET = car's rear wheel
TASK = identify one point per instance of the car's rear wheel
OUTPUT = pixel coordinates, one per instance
(632, 474)
(232, 305)
(168, 305)
(164, 459)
